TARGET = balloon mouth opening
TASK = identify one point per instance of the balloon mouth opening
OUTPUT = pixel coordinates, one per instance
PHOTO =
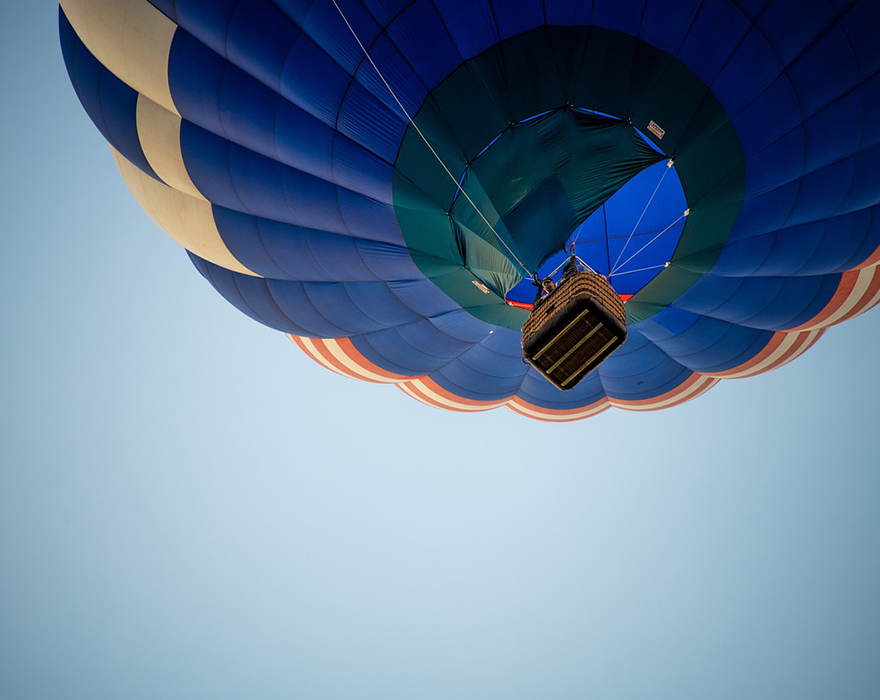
(542, 155)
(624, 240)
(630, 237)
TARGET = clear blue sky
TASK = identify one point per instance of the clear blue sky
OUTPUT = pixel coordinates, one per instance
(189, 508)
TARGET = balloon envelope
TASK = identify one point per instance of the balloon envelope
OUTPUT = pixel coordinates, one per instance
(376, 179)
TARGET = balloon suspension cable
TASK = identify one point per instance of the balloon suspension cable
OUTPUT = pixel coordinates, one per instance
(614, 272)
(427, 143)
(642, 216)
(581, 261)
(584, 265)
(557, 269)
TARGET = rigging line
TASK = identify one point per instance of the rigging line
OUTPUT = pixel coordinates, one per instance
(641, 269)
(582, 262)
(642, 216)
(607, 244)
(427, 143)
(565, 262)
(558, 268)
(614, 272)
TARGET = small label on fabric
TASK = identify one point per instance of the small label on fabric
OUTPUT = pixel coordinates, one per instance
(656, 130)
(482, 287)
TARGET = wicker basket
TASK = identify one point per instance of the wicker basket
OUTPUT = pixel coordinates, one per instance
(574, 329)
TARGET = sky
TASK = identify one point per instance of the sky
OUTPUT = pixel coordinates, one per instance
(191, 508)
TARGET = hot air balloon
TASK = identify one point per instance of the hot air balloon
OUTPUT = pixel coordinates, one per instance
(382, 179)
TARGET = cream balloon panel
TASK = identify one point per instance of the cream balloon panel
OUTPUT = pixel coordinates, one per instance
(132, 39)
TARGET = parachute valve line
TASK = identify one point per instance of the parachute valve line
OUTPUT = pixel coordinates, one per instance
(614, 272)
(644, 211)
(427, 143)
